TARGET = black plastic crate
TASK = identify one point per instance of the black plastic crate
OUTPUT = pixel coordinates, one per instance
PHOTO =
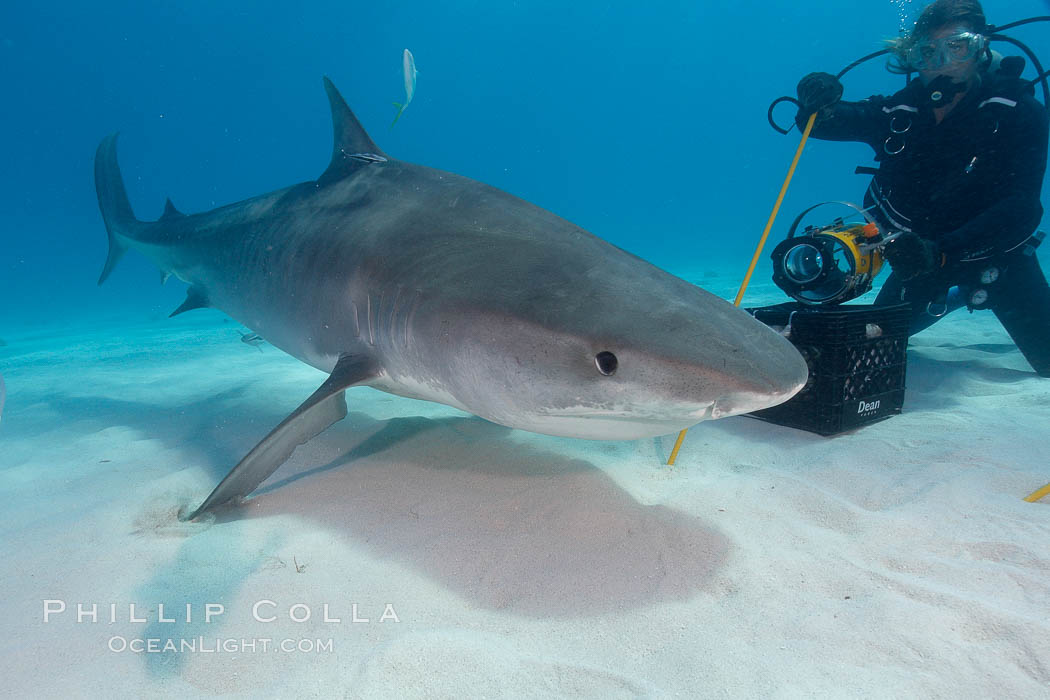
(857, 356)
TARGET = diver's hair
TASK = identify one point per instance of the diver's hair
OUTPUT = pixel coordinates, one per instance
(944, 12)
(934, 16)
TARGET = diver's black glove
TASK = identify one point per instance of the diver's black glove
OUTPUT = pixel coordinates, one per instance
(912, 256)
(817, 92)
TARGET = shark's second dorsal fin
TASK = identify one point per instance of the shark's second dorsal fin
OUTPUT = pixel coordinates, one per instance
(170, 212)
(353, 148)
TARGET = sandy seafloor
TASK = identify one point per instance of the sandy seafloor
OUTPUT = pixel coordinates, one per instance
(895, 561)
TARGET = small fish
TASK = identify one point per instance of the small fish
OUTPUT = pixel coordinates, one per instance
(253, 339)
(409, 63)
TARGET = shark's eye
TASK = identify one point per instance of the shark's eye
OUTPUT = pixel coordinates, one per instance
(606, 362)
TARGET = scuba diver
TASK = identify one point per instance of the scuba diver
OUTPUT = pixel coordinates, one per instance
(961, 155)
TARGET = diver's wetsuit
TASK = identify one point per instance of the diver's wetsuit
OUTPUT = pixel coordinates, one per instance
(972, 184)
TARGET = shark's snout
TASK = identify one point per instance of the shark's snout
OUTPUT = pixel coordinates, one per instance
(636, 389)
(770, 370)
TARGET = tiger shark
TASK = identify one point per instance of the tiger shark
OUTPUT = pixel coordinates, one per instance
(430, 285)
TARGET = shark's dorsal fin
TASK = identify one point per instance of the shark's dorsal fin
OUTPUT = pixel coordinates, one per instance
(170, 212)
(352, 148)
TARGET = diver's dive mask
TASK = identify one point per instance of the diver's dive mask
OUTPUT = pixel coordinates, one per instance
(933, 54)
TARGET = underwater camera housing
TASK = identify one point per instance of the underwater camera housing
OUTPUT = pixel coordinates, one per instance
(829, 264)
(857, 353)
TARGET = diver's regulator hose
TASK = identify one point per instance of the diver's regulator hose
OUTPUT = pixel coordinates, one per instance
(993, 33)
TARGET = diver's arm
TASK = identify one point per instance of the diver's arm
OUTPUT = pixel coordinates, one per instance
(847, 121)
(1016, 215)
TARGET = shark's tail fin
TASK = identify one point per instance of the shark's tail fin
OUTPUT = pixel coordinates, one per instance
(113, 201)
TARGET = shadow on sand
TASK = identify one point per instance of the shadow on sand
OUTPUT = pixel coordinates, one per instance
(485, 512)
(501, 523)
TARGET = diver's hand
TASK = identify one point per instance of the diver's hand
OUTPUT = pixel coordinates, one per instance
(912, 256)
(817, 92)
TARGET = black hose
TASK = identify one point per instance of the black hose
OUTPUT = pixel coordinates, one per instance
(859, 61)
(773, 104)
(785, 98)
(1041, 75)
(1018, 23)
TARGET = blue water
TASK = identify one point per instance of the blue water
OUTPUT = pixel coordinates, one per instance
(643, 122)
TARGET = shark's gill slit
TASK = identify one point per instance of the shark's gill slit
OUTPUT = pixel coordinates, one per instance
(371, 328)
(495, 283)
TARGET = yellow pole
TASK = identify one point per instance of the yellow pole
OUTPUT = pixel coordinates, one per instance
(758, 250)
(677, 446)
(1036, 495)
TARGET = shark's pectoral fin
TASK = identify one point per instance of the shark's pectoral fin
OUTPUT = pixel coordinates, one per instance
(325, 406)
(195, 299)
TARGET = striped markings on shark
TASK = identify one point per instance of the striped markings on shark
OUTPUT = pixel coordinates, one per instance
(493, 306)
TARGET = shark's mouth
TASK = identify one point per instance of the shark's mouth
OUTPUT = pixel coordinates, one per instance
(634, 422)
(591, 423)
(631, 415)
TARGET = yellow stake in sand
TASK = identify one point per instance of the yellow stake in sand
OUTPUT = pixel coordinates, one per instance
(758, 250)
(1036, 495)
